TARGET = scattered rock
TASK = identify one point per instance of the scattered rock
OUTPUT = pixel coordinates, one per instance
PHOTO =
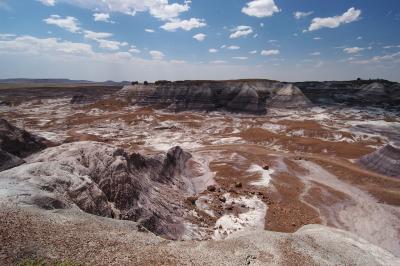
(222, 198)
(211, 188)
(192, 200)
(80, 99)
(238, 184)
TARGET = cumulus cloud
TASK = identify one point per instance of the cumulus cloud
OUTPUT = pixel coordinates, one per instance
(233, 47)
(300, 15)
(218, 62)
(96, 35)
(70, 24)
(160, 9)
(391, 46)
(101, 39)
(379, 59)
(6, 36)
(353, 50)
(270, 52)
(317, 38)
(104, 17)
(253, 52)
(149, 30)
(134, 50)
(240, 57)
(213, 50)
(111, 45)
(48, 2)
(32, 45)
(260, 8)
(156, 55)
(186, 25)
(315, 53)
(240, 31)
(333, 22)
(200, 37)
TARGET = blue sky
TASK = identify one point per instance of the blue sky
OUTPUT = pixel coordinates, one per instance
(200, 39)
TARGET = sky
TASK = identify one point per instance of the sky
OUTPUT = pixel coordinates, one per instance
(287, 40)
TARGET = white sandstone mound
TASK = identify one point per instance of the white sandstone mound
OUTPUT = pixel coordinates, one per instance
(288, 96)
(385, 160)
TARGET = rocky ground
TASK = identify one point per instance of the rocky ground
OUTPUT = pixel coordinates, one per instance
(281, 188)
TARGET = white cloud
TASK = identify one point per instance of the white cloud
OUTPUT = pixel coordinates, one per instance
(186, 25)
(315, 53)
(272, 41)
(260, 8)
(223, 46)
(48, 2)
(4, 36)
(233, 47)
(47, 46)
(240, 57)
(218, 62)
(156, 55)
(359, 38)
(262, 25)
(270, 52)
(149, 30)
(299, 14)
(134, 51)
(110, 45)
(96, 35)
(70, 24)
(200, 37)
(240, 31)
(160, 9)
(391, 46)
(104, 17)
(353, 50)
(101, 37)
(379, 59)
(317, 38)
(253, 52)
(213, 50)
(333, 22)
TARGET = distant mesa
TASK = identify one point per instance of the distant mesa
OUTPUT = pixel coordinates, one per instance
(256, 96)
(386, 160)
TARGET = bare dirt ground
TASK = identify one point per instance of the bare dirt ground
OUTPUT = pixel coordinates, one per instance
(290, 167)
